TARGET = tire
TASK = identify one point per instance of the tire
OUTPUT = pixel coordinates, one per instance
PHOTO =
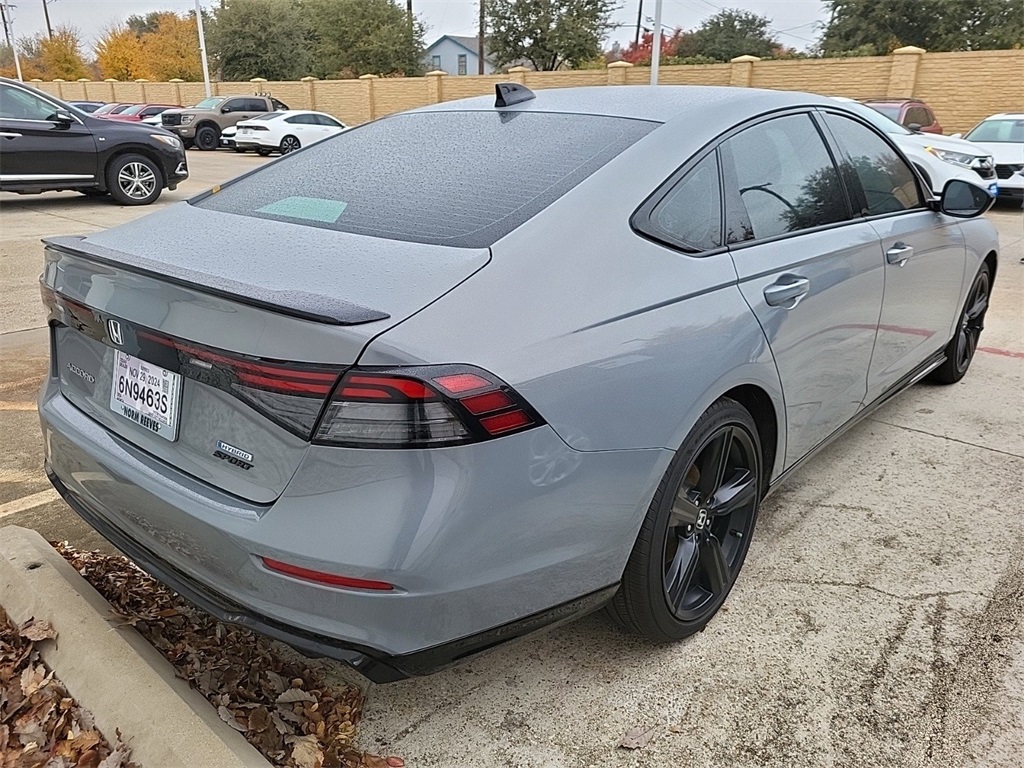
(289, 144)
(240, 150)
(93, 192)
(961, 348)
(263, 152)
(207, 138)
(189, 143)
(134, 180)
(697, 531)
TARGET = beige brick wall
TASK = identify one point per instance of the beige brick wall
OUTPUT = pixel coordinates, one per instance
(961, 87)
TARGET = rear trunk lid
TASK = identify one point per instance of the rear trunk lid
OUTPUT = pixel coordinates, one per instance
(212, 341)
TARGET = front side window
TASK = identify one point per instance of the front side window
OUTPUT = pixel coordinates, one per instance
(782, 178)
(690, 215)
(462, 63)
(919, 116)
(234, 105)
(889, 184)
(16, 104)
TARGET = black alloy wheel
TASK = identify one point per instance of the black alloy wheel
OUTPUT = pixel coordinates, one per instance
(289, 144)
(960, 350)
(207, 138)
(697, 531)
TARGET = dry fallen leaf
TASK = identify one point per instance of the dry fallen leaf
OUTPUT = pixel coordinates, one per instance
(395, 762)
(229, 718)
(292, 695)
(306, 751)
(37, 630)
(638, 738)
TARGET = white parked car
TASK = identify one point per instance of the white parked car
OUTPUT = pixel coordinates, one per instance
(285, 131)
(1003, 137)
(938, 158)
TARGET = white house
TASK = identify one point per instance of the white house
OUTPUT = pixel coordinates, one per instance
(455, 55)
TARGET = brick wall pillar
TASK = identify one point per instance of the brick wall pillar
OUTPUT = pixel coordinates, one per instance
(435, 86)
(310, 82)
(617, 72)
(142, 85)
(368, 79)
(742, 71)
(518, 74)
(903, 74)
(177, 89)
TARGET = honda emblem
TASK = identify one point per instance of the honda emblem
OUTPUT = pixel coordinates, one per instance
(114, 329)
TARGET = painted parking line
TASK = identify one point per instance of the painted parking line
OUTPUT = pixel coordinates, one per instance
(1003, 352)
(17, 406)
(28, 502)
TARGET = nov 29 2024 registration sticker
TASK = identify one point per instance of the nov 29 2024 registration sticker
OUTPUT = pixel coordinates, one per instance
(146, 394)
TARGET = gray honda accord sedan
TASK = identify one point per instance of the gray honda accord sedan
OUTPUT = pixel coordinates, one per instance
(471, 370)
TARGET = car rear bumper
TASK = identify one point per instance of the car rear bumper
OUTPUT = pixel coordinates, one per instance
(251, 143)
(469, 573)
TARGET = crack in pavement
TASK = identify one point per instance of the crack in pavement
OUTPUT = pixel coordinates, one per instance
(896, 596)
(947, 437)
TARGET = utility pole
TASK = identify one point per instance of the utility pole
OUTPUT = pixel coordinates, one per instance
(480, 34)
(202, 47)
(656, 43)
(12, 41)
(46, 13)
(639, 19)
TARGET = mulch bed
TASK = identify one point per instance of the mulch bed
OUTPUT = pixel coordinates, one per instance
(281, 706)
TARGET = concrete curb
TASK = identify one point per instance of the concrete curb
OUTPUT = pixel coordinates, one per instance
(110, 669)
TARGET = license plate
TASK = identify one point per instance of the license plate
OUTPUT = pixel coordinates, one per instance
(146, 394)
(244, 130)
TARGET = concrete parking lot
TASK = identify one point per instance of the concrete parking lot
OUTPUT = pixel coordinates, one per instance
(879, 620)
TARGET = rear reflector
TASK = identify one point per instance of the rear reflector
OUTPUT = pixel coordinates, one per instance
(422, 407)
(329, 579)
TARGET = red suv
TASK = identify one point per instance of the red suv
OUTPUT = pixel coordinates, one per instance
(912, 113)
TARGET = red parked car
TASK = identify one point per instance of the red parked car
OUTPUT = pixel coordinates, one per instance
(138, 112)
(911, 113)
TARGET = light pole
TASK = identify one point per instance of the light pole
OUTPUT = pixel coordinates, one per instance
(46, 13)
(202, 47)
(656, 43)
(11, 39)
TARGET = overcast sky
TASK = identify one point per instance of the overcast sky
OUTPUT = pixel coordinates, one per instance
(794, 21)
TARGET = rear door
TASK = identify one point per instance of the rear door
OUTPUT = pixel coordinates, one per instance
(925, 252)
(810, 271)
(34, 148)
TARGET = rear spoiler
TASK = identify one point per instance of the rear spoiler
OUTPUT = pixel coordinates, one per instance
(300, 304)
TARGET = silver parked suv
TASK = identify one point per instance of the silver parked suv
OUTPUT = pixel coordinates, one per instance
(487, 365)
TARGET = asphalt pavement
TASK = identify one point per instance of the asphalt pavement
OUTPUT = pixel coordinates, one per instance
(879, 620)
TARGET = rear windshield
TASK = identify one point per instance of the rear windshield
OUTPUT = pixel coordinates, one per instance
(889, 110)
(462, 179)
(998, 132)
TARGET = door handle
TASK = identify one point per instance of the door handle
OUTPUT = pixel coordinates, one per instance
(898, 253)
(9, 135)
(792, 290)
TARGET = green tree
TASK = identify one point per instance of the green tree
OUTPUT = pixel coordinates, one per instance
(731, 33)
(547, 33)
(364, 37)
(262, 38)
(877, 27)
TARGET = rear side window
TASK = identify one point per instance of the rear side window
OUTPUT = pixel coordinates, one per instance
(782, 178)
(690, 215)
(888, 183)
(463, 179)
(256, 105)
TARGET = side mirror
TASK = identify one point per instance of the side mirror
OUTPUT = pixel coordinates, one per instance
(225, 110)
(957, 136)
(964, 200)
(63, 117)
(915, 127)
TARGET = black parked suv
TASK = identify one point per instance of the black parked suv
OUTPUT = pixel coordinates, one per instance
(47, 145)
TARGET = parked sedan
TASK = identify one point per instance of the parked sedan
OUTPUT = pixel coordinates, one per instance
(1003, 136)
(139, 112)
(114, 108)
(518, 358)
(87, 106)
(937, 158)
(285, 131)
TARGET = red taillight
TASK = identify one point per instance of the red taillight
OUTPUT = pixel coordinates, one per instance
(320, 577)
(422, 407)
